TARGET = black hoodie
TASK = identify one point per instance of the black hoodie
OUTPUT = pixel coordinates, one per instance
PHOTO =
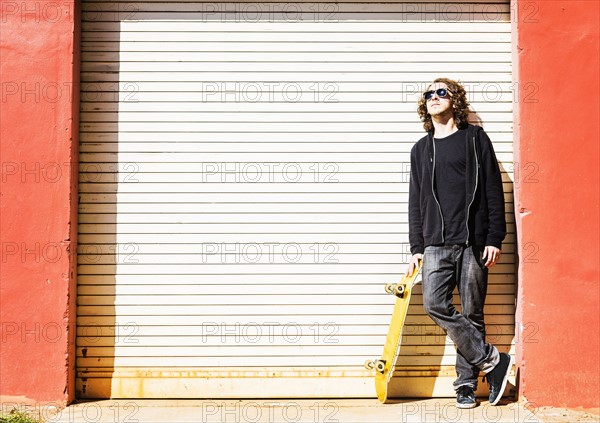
(484, 202)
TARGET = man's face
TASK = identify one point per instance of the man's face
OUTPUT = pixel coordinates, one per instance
(436, 105)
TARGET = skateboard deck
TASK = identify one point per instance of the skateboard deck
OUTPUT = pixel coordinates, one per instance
(384, 367)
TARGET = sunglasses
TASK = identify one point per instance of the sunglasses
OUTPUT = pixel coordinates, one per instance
(441, 93)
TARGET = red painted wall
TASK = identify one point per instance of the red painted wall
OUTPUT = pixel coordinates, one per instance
(557, 150)
(39, 103)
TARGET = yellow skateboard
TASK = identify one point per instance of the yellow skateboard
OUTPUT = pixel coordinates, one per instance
(384, 367)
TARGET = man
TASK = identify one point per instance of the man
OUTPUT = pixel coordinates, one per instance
(456, 225)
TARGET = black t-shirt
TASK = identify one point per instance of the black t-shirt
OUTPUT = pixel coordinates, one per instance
(450, 184)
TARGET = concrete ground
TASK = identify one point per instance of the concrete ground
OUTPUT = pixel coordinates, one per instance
(306, 410)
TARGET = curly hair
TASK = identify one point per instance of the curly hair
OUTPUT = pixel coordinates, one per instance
(460, 105)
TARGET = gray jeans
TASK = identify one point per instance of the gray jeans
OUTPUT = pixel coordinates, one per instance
(447, 267)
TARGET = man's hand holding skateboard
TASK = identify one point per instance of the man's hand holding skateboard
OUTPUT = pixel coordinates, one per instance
(413, 264)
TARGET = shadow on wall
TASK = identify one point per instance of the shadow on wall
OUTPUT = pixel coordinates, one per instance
(100, 253)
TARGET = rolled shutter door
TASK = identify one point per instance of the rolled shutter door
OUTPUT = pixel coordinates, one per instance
(243, 192)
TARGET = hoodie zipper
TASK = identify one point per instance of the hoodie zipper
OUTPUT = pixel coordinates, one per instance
(474, 190)
(433, 188)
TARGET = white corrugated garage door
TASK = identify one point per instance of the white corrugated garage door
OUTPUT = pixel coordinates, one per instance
(243, 189)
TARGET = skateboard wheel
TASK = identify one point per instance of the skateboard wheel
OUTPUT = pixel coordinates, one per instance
(399, 290)
(389, 288)
(380, 366)
(369, 364)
